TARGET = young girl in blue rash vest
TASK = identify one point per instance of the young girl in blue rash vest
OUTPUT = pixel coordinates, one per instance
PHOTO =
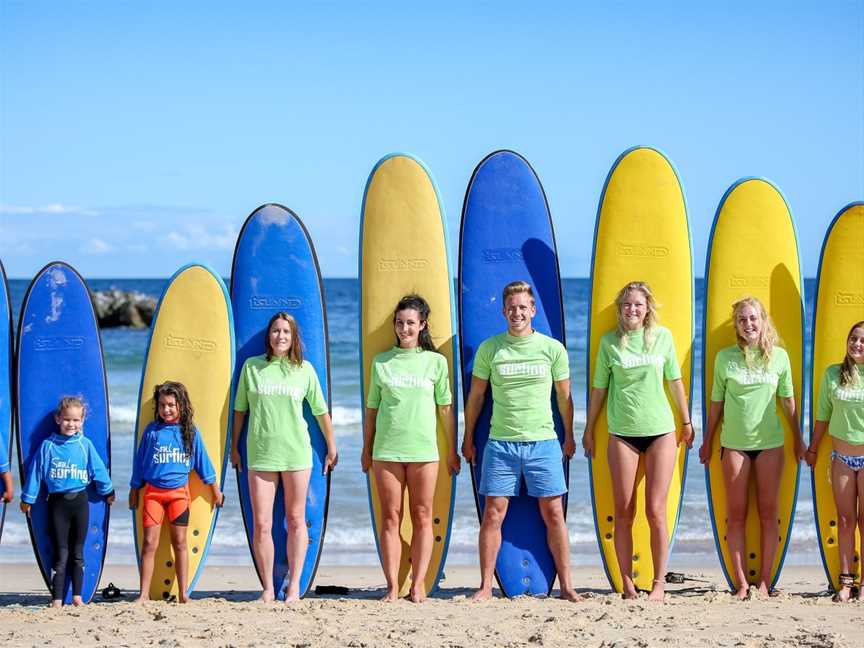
(840, 412)
(66, 463)
(170, 449)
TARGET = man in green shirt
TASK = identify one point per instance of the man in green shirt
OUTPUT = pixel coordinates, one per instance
(522, 366)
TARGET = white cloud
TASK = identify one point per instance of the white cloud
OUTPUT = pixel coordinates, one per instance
(53, 208)
(197, 237)
(96, 246)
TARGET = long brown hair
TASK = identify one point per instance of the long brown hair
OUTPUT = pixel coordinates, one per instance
(416, 302)
(649, 324)
(849, 374)
(295, 352)
(768, 337)
(184, 404)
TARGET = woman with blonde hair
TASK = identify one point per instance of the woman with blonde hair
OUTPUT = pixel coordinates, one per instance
(748, 377)
(632, 363)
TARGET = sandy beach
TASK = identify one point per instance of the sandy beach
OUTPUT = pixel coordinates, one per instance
(224, 612)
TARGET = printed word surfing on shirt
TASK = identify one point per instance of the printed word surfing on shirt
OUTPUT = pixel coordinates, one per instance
(513, 369)
(60, 469)
(412, 382)
(744, 375)
(167, 454)
(631, 361)
(278, 389)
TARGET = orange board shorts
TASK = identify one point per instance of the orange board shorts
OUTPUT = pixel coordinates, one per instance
(159, 500)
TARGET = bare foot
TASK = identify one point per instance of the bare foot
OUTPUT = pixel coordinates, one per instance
(183, 598)
(141, 600)
(292, 594)
(266, 596)
(628, 589)
(77, 600)
(762, 590)
(483, 594)
(391, 596)
(742, 593)
(570, 595)
(417, 595)
(57, 603)
(843, 594)
(658, 592)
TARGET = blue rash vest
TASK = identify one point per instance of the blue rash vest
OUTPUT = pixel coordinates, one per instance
(162, 460)
(66, 464)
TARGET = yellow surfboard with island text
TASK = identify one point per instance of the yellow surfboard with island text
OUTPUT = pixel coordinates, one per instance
(839, 305)
(753, 253)
(403, 249)
(642, 234)
(191, 342)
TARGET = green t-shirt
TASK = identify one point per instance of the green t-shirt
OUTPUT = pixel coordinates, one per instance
(748, 394)
(636, 404)
(842, 407)
(521, 370)
(406, 386)
(273, 393)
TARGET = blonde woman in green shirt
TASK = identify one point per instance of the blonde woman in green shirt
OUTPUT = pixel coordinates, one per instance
(272, 388)
(841, 413)
(632, 363)
(408, 384)
(748, 378)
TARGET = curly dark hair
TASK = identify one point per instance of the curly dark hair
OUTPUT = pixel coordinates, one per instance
(184, 404)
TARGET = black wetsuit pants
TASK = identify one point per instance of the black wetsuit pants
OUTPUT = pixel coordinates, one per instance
(69, 514)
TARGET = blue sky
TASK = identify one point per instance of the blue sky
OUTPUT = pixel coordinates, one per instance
(136, 137)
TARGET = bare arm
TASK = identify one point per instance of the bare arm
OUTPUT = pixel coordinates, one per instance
(8, 490)
(595, 403)
(715, 413)
(819, 430)
(326, 426)
(677, 388)
(473, 407)
(454, 464)
(789, 410)
(368, 438)
(239, 419)
(565, 409)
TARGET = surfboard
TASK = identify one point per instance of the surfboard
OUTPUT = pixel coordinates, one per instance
(275, 270)
(7, 339)
(60, 354)
(192, 342)
(641, 234)
(507, 235)
(839, 304)
(753, 251)
(403, 249)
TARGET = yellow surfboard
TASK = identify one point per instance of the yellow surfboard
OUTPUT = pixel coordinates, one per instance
(753, 252)
(839, 304)
(192, 342)
(642, 234)
(403, 249)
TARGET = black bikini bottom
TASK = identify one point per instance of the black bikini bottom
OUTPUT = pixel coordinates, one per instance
(640, 443)
(750, 453)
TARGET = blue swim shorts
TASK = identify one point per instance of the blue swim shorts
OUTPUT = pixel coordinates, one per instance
(539, 462)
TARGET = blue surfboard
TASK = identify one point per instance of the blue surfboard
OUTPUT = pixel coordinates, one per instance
(506, 236)
(60, 354)
(275, 269)
(6, 341)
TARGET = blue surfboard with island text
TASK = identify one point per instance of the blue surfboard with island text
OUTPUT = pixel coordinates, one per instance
(275, 269)
(506, 236)
(60, 354)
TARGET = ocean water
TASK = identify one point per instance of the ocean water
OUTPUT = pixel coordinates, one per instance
(349, 538)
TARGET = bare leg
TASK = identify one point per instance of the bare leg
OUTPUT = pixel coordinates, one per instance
(262, 492)
(390, 478)
(844, 485)
(736, 478)
(181, 560)
(295, 484)
(769, 468)
(623, 465)
(552, 511)
(422, 478)
(490, 542)
(660, 461)
(148, 560)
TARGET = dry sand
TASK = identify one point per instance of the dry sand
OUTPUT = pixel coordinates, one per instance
(223, 613)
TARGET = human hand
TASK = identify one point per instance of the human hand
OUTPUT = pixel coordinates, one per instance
(569, 447)
(704, 454)
(454, 463)
(365, 460)
(110, 499)
(588, 443)
(330, 460)
(469, 451)
(235, 460)
(687, 435)
(25, 508)
(133, 498)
